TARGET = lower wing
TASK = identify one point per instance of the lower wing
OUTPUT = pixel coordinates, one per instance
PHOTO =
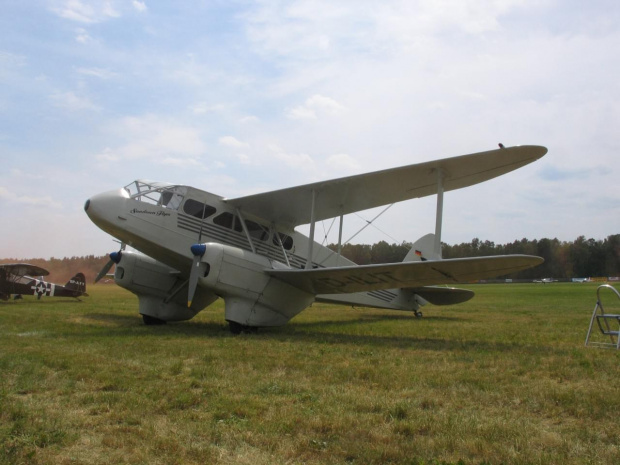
(403, 275)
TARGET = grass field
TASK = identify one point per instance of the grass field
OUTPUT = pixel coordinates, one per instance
(504, 378)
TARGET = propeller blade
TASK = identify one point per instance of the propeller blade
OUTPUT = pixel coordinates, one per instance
(115, 258)
(193, 280)
(104, 270)
(198, 270)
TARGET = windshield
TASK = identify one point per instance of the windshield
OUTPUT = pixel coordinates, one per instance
(157, 193)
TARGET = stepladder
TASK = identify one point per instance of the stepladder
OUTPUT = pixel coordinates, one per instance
(607, 322)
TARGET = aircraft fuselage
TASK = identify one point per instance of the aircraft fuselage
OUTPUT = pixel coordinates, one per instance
(163, 221)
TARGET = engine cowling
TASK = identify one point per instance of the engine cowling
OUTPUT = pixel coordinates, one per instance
(161, 291)
(251, 296)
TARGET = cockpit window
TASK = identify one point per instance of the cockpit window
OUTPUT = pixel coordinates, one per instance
(173, 196)
(157, 193)
(198, 209)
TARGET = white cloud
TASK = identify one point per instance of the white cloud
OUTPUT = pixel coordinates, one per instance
(314, 107)
(249, 119)
(107, 155)
(303, 161)
(84, 11)
(244, 159)
(308, 30)
(72, 102)
(139, 6)
(181, 162)
(301, 112)
(231, 142)
(43, 202)
(204, 108)
(156, 139)
(82, 36)
(10, 60)
(100, 73)
(343, 163)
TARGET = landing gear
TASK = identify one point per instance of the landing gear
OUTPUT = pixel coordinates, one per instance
(152, 321)
(237, 328)
(418, 314)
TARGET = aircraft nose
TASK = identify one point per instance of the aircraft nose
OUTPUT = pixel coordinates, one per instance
(105, 207)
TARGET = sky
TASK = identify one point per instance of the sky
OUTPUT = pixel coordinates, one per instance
(237, 97)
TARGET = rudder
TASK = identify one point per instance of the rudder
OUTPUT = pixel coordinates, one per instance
(77, 284)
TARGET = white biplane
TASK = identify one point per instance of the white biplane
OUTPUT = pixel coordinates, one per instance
(194, 247)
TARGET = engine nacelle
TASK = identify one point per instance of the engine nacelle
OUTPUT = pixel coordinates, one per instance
(251, 296)
(162, 293)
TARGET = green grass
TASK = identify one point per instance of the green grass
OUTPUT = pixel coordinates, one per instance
(504, 378)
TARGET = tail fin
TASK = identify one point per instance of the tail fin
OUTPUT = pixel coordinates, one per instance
(77, 284)
(423, 249)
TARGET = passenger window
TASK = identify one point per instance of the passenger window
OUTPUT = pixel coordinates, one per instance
(287, 241)
(198, 209)
(228, 220)
(257, 231)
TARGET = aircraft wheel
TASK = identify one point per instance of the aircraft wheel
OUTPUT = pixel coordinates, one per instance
(238, 328)
(235, 328)
(152, 321)
(419, 314)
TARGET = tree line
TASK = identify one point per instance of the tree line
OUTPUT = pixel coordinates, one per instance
(581, 258)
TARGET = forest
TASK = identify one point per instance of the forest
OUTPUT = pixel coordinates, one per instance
(581, 258)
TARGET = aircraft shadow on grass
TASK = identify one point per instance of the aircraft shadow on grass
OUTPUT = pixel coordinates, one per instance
(307, 332)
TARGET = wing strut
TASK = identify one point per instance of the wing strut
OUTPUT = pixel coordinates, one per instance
(245, 230)
(311, 238)
(340, 240)
(276, 234)
(439, 216)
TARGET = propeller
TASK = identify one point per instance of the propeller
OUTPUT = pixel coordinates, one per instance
(115, 258)
(198, 269)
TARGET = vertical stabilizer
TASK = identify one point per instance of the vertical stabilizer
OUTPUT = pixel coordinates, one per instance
(423, 249)
(77, 284)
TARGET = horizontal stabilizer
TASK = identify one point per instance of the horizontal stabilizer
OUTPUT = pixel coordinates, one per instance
(443, 295)
(403, 275)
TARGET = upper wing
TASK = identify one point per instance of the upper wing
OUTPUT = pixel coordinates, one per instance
(23, 269)
(291, 207)
(403, 275)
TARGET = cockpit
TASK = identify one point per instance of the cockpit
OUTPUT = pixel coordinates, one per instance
(179, 198)
(162, 194)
